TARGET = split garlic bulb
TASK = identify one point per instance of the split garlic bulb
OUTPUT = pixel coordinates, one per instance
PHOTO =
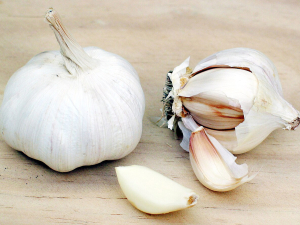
(75, 107)
(235, 94)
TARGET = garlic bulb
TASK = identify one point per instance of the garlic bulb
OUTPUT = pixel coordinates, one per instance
(213, 165)
(153, 193)
(73, 108)
(235, 94)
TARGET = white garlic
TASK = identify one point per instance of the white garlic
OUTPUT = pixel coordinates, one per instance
(214, 165)
(236, 94)
(153, 193)
(73, 108)
(225, 94)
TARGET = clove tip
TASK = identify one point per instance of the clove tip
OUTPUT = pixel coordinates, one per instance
(295, 123)
(193, 200)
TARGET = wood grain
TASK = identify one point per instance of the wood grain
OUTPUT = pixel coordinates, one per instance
(155, 36)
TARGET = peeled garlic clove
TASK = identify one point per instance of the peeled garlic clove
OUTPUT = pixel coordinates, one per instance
(214, 165)
(73, 107)
(152, 192)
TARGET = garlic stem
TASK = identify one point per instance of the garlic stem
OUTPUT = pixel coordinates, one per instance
(76, 59)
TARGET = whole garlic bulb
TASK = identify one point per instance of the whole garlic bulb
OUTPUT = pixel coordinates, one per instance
(235, 94)
(75, 107)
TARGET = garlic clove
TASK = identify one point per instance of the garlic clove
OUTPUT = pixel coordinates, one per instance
(234, 87)
(256, 128)
(219, 98)
(214, 165)
(214, 110)
(245, 58)
(152, 192)
(269, 97)
(270, 110)
(227, 138)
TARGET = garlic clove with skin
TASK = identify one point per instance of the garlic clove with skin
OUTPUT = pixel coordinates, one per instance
(74, 107)
(153, 193)
(213, 111)
(219, 98)
(214, 165)
(227, 138)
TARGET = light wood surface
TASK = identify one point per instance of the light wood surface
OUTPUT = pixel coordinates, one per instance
(155, 36)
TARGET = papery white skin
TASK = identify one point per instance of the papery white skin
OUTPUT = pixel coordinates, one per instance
(71, 116)
(152, 192)
(185, 143)
(269, 110)
(214, 165)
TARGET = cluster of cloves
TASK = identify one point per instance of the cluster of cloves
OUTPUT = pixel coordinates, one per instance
(227, 105)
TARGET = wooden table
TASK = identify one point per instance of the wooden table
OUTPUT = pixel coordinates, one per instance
(155, 36)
